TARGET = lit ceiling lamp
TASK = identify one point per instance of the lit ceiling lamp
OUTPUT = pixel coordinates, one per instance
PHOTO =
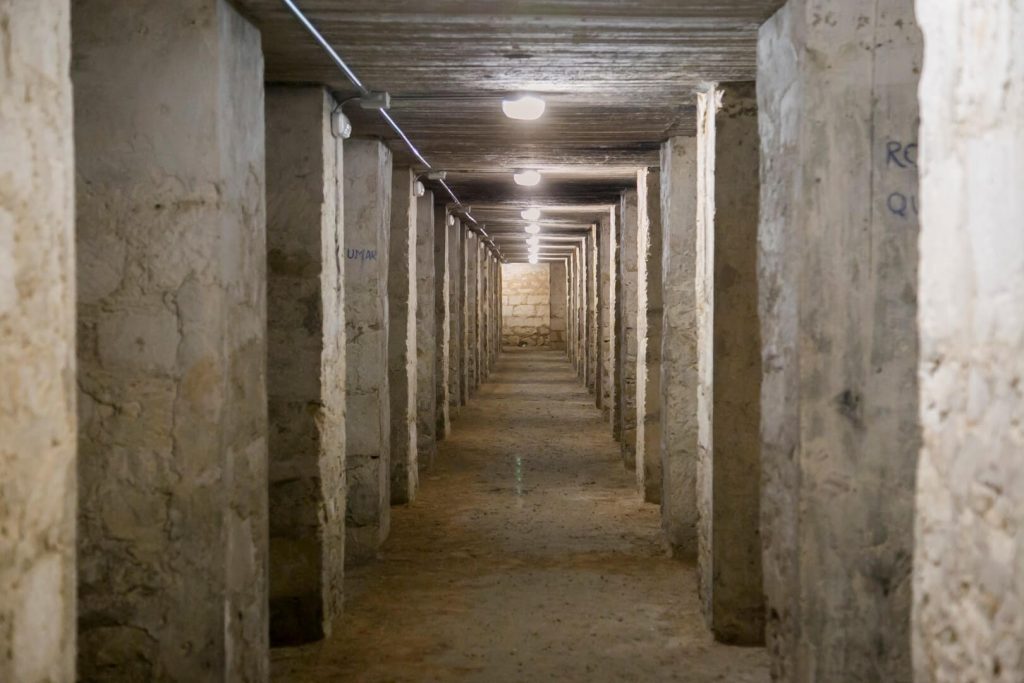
(530, 214)
(524, 108)
(533, 241)
(534, 259)
(532, 229)
(527, 178)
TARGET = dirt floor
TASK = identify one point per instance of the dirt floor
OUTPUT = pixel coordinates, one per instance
(527, 556)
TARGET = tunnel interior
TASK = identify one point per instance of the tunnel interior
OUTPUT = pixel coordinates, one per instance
(570, 340)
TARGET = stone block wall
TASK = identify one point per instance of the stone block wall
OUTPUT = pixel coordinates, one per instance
(37, 345)
(526, 304)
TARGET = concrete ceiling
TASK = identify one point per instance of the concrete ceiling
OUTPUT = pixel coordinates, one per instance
(617, 75)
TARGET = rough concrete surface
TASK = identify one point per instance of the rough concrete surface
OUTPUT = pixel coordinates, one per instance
(401, 306)
(526, 557)
(557, 290)
(442, 324)
(839, 140)
(593, 319)
(628, 349)
(305, 363)
(968, 620)
(172, 325)
(648, 335)
(526, 303)
(732, 407)
(679, 345)
(37, 345)
(609, 258)
(455, 303)
(367, 192)
(428, 342)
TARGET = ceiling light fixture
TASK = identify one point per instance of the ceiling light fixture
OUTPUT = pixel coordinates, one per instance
(533, 241)
(532, 229)
(526, 178)
(530, 214)
(524, 108)
(534, 260)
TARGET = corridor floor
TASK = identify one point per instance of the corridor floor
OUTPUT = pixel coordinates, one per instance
(526, 557)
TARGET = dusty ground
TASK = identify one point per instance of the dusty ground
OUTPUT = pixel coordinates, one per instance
(526, 557)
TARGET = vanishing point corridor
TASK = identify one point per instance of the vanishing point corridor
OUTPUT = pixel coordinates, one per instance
(505, 341)
(526, 557)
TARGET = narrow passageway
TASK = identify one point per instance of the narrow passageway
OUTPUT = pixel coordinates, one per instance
(528, 556)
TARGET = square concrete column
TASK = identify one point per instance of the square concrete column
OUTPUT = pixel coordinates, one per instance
(968, 577)
(615, 321)
(606, 312)
(481, 312)
(648, 335)
(729, 371)
(467, 313)
(679, 345)
(442, 322)
(306, 363)
(37, 346)
(579, 296)
(457, 262)
(170, 238)
(367, 193)
(593, 315)
(570, 307)
(427, 340)
(402, 365)
(837, 278)
(556, 287)
(470, 329)
(579, 309)
(627, 331)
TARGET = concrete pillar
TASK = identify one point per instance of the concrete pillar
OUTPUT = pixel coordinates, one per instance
(628, 349)
(606, 312)
(648, 335)
(442, 323)
(837, 259)
(729, 372)
(557, 276)
(679, 345)
(968, 576)
(481, 312)
(367, 192)
(577, 309)
(426, 332)
(306, 363)
(570, 307)
(470, 330)
(580, 309)
(593, 316)
(169, 130)
(402, 365)
(37, 346)
(615, 308)
(455, 315)
(463, 316)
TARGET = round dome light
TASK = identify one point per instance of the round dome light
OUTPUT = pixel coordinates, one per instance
(530, 214)
(532, 229)
(526, 178)
(525, 108)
